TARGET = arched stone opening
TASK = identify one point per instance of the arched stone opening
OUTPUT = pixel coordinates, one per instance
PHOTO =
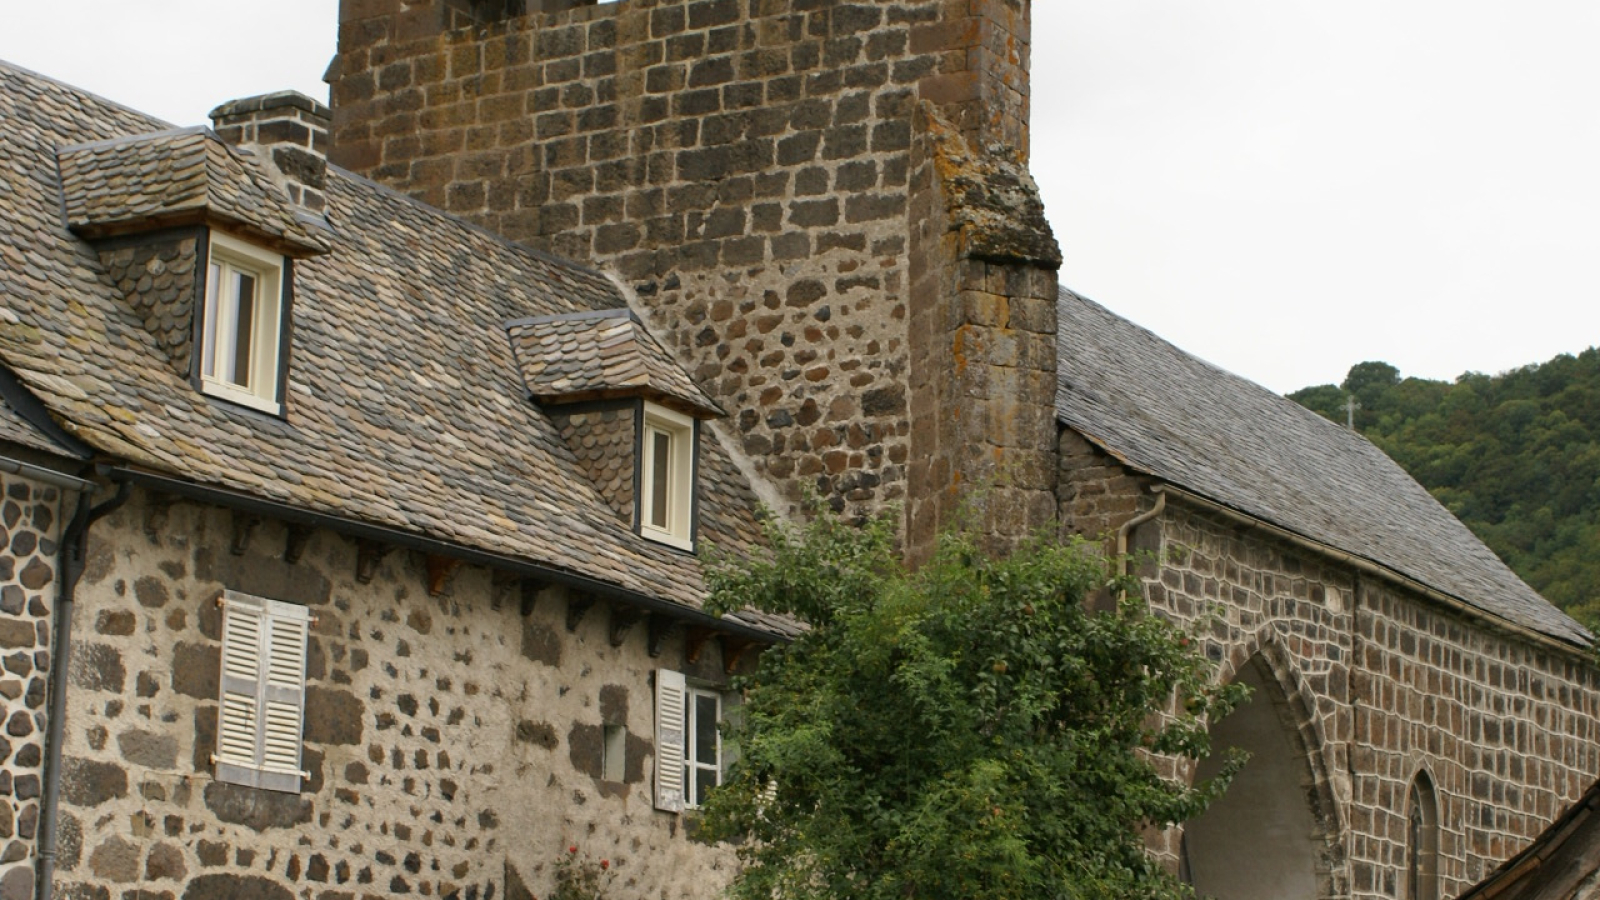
(1422, 840)
(1264, 839)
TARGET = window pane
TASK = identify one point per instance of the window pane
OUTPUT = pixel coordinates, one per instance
(208, 347)
(705, 729)
(244, 329)
(660, 476)
(703, 787)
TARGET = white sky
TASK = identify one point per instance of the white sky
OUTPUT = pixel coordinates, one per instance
(1282, 187)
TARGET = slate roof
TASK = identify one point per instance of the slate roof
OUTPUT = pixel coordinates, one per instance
(176, 176)
(1178, 418)
(601, 354)
(18, 430)
(406, 408)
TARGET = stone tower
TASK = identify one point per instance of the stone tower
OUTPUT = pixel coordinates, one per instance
(822, 206)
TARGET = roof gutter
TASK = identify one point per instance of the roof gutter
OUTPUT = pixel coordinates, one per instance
(45, 474)
(1371, 568)
(413, 541)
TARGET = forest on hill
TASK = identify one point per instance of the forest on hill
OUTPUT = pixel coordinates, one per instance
(1516, 456)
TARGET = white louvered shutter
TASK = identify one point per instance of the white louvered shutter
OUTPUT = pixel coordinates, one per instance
(263, 692)
(243, 620)
(672, 693)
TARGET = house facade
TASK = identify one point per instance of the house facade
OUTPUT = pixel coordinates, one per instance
(360, 465)
(351, 551)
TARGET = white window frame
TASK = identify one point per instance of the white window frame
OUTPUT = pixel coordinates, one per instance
(694, 771)
(228, 256)
(674, 524)
(261, 713)
(678, 774)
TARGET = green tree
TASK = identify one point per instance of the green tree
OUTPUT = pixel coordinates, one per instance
(969, 729)
(1516, 456)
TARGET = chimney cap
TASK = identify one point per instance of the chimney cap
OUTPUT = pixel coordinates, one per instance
(276, 100)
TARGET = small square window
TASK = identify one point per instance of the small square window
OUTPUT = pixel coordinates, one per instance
(666, 482)
(242, 324)
(614, 753)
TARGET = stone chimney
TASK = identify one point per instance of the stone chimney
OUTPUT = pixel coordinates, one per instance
(290, 131)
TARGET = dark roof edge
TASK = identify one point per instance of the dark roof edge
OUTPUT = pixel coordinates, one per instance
(5, 64)
(412, 541)
(107, 143)
(1372, 567)
(47, 475)
(32, 411)
(613, 313)
(479, 229)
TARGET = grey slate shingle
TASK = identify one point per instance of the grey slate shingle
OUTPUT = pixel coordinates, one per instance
(16, 429)
(1191, 424)
(405, 409)
(599, 355)
(183, 174)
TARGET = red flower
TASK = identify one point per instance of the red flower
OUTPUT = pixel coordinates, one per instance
(605, 863)
(573, 849)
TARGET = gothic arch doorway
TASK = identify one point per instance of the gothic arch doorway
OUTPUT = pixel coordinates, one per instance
(1262, 839)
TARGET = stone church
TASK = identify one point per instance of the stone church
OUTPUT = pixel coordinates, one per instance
(360, 464)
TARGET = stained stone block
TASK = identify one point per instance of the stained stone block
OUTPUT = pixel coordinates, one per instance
(149, 749)
(235, 887)
(165, 863)
(87, 782)
(17, 883)
(16, 633)
(97, 667)
(115, 859)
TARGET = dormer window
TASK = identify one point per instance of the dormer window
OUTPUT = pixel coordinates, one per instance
(666, 477)
(242, 324)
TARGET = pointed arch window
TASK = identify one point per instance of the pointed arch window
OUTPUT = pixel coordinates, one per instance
(1422, 840)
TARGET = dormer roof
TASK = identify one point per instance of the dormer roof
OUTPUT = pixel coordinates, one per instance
(407, 413)
(599, 355)
(180, 177)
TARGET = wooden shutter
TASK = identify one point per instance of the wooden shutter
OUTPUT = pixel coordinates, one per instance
(672, 694)
(263, 692)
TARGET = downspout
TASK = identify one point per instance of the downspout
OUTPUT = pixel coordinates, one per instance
(74, 545)
(1127, 529)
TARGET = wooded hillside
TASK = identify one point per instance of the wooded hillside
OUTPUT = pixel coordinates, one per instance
(1515, 456)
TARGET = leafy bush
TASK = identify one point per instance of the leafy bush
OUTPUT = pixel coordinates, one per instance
(970, 729)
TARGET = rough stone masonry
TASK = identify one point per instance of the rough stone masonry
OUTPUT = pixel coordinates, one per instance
(822, 206)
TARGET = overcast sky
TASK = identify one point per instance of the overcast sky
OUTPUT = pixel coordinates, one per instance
(1282, 187)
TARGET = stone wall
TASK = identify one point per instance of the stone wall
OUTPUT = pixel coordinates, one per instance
(453, 741)
(744, 167)
(1097, 495)
(30, 529)
(1383, 683)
